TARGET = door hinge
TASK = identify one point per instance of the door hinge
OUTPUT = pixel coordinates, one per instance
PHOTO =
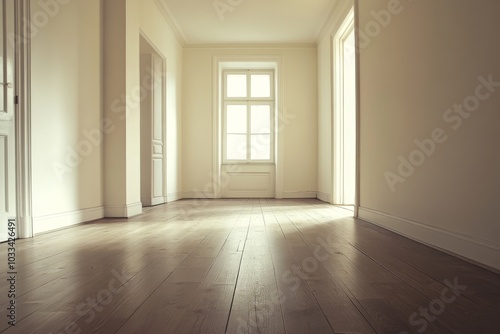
(16, 99)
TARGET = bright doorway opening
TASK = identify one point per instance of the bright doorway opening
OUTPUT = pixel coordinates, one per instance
(344, 115)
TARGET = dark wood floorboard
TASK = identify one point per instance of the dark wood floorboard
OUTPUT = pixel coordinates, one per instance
(244, 266)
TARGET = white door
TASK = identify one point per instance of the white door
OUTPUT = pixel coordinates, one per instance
(152, 131)
(7, 119)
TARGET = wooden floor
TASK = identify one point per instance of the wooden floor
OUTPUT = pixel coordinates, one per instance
(244, 266)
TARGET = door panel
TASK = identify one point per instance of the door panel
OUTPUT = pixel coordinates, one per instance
(7, 119)
(248, 181)
(152, 131)
(158, 181)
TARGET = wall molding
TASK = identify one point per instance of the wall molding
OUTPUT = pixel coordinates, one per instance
(123, 211)
(169, 18)
(327, 198)
(299, 194)
(336, 17)
(467, 247)
(133, 209)
(24, 192)
(286, 195)
(172, 197)
(59, 221)
(114, 211)
(198, 195)
(251, 46)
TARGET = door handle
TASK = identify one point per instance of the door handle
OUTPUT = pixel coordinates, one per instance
(7, 84)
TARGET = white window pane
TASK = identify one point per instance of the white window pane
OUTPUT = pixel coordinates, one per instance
(261, 147)
(236, 147)
(261, 119)
(236, 85)
(236, 119)
(261, 85)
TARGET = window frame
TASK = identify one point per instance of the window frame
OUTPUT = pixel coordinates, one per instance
(248, 101)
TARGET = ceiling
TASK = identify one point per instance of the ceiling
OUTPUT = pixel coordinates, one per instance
(248, 21)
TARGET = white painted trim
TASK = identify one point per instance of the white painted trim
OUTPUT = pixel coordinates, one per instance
(155, 53)
(469, 247)
(217, 67)
(300, 194)
(244, 173)
(133, 209)
(62, 220)
(198, 195)
(336, 17)
(115, 211)
(216, 128)
(23, 121)
(123, 211)
(172, 197)
(248, 101)
(286, 195)
(169, 18)
(153, 201)
(252, 46)
(346, 27)
(324, 197)
(281, 128)
(357, 198)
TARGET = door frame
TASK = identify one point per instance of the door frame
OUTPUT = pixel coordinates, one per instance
(23, 119)
(157, 53)
(347, 26)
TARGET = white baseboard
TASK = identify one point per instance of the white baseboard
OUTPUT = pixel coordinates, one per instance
(299, 194)
(172, 197)
(469, 247)
(123, 211)
(197, 195)
(286, 195)
(327, 198)
(133, 209)
(156, 201)
(62, 220)
(25, 227)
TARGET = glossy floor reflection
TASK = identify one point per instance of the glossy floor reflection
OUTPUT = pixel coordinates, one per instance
(244, 266)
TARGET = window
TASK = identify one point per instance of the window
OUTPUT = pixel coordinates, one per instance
(248, 116)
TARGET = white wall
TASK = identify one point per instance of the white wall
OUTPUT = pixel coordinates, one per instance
(119, 109)
(427, 59)
(66, 104)
(300, 102)
(68, 109)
